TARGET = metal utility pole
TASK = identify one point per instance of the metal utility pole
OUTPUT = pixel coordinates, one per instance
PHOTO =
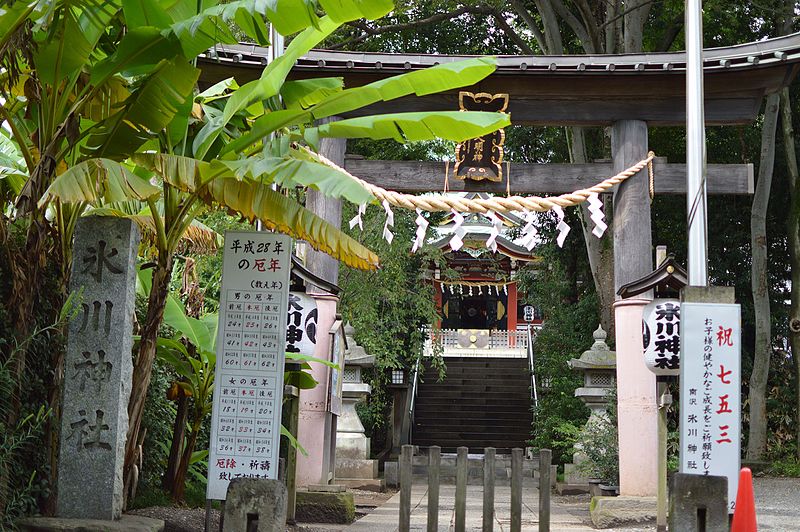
(695, 147)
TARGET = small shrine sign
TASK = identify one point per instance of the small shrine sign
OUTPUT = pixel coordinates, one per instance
(251, 345)
(482, 157)
(710, 379)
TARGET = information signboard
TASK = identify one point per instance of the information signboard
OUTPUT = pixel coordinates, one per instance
(710, 392)
(251, 343)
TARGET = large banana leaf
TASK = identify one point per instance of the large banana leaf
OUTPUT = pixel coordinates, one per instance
(198, 238)
(184, 173)
(301, 168)
(98, 179)
(342, 11)
(147, 111)
(275, 73)
(431, 80)
(62, 56)
(139, 50)
(276, 211)
(304, 93)
(12, 16)
(457, 126)
(196, 331)
(439, 78)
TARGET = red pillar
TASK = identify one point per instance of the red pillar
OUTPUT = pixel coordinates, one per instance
(437, 297)
(512, 314)
(512, 306)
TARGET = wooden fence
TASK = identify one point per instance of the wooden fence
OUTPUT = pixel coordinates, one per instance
(434, 466)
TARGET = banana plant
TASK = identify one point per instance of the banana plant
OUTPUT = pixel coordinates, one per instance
(127, 126)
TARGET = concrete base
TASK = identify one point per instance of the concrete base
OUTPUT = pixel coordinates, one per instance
(366, 484)
(607, 512)
(391, 473)
(356, 468)
(565, 488)
(327, 488)
(320, 507)
(127, 523)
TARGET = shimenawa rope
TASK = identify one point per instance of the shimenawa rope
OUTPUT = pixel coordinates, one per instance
(440, 202)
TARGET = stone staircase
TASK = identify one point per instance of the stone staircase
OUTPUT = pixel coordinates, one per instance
(482, 402)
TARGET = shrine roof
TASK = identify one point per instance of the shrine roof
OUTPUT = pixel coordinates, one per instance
(560, 90)
(476, 240)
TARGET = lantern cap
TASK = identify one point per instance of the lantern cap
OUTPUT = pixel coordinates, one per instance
(599, 356)
(668, 277)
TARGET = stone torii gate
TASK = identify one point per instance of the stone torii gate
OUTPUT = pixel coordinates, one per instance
(626, 92)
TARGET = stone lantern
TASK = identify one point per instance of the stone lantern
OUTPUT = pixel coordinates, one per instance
(598, 365)
(353, 465)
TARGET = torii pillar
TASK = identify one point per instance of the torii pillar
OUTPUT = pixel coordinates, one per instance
(633, 259)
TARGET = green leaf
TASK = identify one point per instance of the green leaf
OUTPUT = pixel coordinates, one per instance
(440, 78)
(274, 75)
(217, 90)
(299, 357)
(191, 328)
(342, 11)
(12, 16)
(291, 16)
(302, 168)
(99, 179)
(139, 13)
(277, 212)
(185, 173)
(305, 93)
(292, 440)
(301, 379)
(212, 323)
(457, 126)
(147, 111)
(139, 50)
(64, 55)
(431, 80)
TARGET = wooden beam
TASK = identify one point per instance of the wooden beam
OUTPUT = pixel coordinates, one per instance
(419, 176)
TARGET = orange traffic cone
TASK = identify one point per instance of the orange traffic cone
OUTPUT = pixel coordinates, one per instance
(744, 514)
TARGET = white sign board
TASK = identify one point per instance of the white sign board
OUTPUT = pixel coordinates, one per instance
(251, 342)
(710, 392)
(661, 336)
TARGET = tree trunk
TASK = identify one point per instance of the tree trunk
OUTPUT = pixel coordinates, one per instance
(793, 232)
(599, 250)
(183, 467)
(757, 440)
(175, 450)
(634, 24)
(143, 365)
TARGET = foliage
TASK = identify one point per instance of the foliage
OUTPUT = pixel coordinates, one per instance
(17, 439)
(565, 294)
(599, 443)
(789, 467)
(388, 308)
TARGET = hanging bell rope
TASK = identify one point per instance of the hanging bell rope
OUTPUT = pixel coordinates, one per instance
(440, 202)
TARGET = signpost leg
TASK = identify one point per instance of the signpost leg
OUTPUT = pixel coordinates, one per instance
(664, 400)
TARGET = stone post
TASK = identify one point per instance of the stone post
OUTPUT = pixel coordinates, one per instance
(98, 368)
(633, 259)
